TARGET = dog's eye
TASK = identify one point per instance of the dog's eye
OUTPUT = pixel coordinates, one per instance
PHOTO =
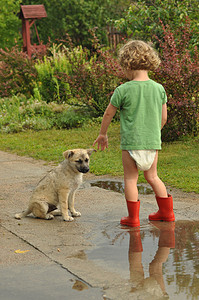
(80, 161)
(86, 160)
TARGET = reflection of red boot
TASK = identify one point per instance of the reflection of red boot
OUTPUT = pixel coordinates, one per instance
(165, 212)
(167, 234)
(135, 242)
(133, 219)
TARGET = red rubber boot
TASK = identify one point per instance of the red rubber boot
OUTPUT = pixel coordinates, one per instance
(165, 212)
(133, 219)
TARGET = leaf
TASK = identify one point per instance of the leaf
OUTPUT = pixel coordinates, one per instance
(21, 251)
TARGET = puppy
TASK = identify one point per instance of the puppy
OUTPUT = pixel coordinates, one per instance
(58, 187)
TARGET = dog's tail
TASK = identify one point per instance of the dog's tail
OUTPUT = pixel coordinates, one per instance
(23, 214)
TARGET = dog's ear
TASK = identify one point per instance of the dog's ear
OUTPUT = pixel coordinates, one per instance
(67, 154)
(90, 151)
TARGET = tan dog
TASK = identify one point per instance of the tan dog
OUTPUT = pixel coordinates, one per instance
(58, 187)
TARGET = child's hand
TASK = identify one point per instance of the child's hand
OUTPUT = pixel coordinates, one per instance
(101, 140)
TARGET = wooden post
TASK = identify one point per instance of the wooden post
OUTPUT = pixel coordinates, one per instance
(28, 43)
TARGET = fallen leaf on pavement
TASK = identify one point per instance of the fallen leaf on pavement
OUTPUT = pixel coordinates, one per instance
(21, 251)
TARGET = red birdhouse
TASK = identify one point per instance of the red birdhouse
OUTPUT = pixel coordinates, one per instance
(29, 14)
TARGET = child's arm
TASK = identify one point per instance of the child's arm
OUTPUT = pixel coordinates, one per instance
(164, 115)
(102, 139)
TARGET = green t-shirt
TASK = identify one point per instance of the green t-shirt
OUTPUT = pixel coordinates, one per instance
(140, 104)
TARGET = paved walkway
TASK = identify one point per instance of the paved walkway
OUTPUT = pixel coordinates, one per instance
(48, 259)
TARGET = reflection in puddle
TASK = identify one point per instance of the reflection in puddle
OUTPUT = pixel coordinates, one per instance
(153, 284)
(118, 186)
(160, 261)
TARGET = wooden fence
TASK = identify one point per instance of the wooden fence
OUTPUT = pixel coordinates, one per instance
(114, 37)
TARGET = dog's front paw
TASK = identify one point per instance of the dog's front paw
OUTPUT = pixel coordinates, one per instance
(18, 216)
(76, 214)
(49, 217)
(68, 219)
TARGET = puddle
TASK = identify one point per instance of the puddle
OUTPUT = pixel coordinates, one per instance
(118, 186)
(158, 261)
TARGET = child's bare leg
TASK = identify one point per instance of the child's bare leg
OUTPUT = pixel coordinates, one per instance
(155, 182)
(131, 191)
(130, 177)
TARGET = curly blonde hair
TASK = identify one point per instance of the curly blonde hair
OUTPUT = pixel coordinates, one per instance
(138, 55)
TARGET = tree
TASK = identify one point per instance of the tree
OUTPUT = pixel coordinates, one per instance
(9, 23)
(142, 18)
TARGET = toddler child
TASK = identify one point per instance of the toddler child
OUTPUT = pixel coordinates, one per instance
(143, 113)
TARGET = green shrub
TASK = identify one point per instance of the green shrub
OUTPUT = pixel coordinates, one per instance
(10, 111)
(69, 119)
(37, 123)
(179, 73)
(19, 114)
(48, 86)
(51, 85)
(17, 73)
(93, 81)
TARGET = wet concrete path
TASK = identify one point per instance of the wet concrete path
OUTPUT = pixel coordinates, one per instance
(94, 257)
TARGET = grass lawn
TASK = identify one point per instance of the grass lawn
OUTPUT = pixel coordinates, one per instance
(178, 162)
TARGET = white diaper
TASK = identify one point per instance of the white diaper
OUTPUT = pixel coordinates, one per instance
(143, 158)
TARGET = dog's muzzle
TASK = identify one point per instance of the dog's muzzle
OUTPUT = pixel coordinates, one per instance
(83, 169)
